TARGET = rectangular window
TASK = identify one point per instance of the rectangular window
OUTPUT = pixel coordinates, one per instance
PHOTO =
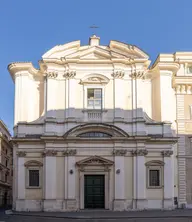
(33, 178)
(94, 98)
(154, 178)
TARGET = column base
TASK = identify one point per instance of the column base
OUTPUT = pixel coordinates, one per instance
(53, 205)
(119, 205)
(168, 203)
(71, 204)
(140, 204)
(28, 205)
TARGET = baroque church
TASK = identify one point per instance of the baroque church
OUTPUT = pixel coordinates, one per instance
(97, 126)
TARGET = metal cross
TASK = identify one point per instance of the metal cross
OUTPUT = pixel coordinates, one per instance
(94, 27)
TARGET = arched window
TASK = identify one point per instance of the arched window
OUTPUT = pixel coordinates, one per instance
(94, 135)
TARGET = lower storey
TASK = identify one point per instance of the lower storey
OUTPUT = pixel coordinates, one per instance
(73, 205)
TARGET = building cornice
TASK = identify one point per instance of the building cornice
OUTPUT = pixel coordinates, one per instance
(21, 68)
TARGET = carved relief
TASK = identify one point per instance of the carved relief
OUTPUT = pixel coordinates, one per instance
(118, 74)
(141, 152)
(49, 153)
(51, 74)
(21, 154)
(70, 74)
(119, 152)
(167, 153)
(70, 152)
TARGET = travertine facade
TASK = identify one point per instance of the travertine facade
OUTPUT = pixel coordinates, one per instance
(95, 127)
(6, 162)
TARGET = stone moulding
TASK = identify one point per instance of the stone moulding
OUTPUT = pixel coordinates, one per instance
(140, 152)
(119, 152)
(167, 153)
(69, 152)
(21, 153)
(49, 153)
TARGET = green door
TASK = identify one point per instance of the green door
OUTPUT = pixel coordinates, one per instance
(94, 191)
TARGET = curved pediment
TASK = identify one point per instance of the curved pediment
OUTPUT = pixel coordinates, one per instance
(94, 79)
(107, 129)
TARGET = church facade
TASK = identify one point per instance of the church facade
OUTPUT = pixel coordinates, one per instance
(98, 127)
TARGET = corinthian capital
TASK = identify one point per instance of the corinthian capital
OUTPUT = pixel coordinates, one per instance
(137, 74)
(69, 74)
(118, 74)
(21, 153)
(52, 75)
(49, 153)
(141, 152)
(119, 152)
(167, 153)
(70, 152)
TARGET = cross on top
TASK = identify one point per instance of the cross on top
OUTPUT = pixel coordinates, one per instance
(94, 27)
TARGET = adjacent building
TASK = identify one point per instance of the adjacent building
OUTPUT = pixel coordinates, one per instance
(6, 162)
(97, 127)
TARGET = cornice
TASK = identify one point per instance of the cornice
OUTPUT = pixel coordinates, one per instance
(22, 67)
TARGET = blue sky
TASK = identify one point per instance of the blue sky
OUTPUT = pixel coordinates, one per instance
(30, 27)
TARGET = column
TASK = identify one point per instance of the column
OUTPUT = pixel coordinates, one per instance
(20, 200)
(139, 178)
(50, 180)
(119, 100)
(168, 180)
(71, 202)
(71, 94)
(119, 200)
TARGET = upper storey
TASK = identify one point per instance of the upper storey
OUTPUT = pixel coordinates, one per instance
(116, 55)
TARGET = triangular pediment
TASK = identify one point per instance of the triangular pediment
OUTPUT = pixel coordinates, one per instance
(95, 52)
(95, 161)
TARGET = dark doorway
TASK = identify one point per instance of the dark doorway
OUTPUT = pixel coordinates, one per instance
(94, 191)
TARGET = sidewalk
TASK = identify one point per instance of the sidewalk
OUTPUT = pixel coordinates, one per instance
(104, 214)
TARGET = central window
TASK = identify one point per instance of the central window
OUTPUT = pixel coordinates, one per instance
(94, 98)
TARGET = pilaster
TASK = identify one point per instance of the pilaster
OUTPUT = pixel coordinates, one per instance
(70, 78)
(118, 94)
(21, 175)
(50, 179)
(51, 93)
(181, 145)
(70, 178)
(139, 178)
(119, 202)
(168, 180)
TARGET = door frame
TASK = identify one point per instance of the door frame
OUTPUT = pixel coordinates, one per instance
(82, 184)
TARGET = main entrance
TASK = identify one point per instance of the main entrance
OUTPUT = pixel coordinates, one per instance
(94, 191)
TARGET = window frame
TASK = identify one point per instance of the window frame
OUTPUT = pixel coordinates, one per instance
(33, 165)
(27, 178)
(93, 86)
(152, 165)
